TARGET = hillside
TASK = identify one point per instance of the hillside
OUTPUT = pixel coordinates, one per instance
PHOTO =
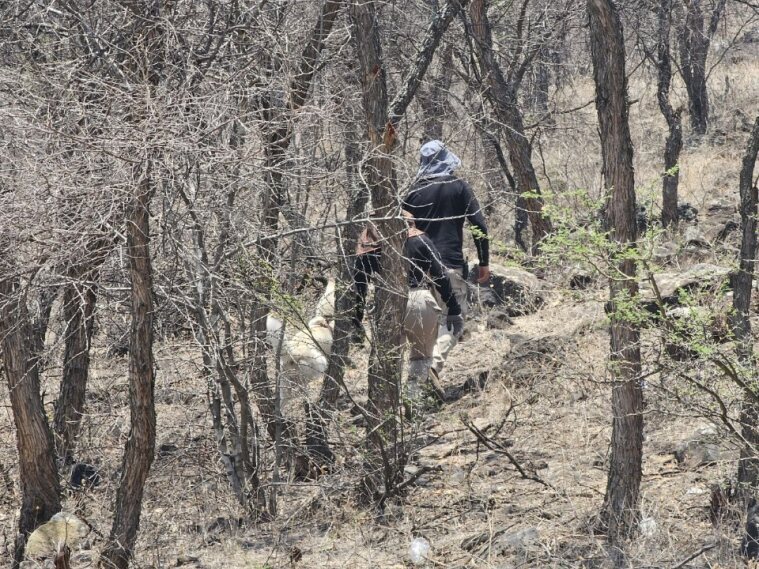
(535, 388)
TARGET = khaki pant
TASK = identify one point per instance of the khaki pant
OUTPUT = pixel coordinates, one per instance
(445, 340)
(420, 323)
(420, 326)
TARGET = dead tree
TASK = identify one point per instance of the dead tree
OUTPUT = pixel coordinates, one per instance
(502, 92)
(742, 282)
(386, 455)
(38, 474)
(140, 446)
(694, 42)
(620, 508)
(146, 69)
(79, 299)
(674, 143)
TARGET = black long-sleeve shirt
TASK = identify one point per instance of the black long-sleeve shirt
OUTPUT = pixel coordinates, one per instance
(440, 206)
(424, 263)
(424, 266)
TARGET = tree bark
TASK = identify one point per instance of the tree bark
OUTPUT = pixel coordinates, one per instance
(387, 455)
(140, 446)
(503, 96)
(674, 142)
(78, 311)
(79, 299)
(620, 508)
(742, 282)
(38, 474)
(694, 48)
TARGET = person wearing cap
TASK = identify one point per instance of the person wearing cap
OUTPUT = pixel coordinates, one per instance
(440, 202)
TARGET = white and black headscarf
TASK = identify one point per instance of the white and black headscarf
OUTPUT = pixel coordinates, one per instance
(436, 161)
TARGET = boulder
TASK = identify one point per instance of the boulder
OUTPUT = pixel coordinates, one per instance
(698, 277)
(513, 288)
(701, 448)
(694, 239)
(501, 541)
(665, 252)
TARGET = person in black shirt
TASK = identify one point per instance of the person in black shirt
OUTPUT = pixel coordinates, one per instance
(440, 202)
(420, 322)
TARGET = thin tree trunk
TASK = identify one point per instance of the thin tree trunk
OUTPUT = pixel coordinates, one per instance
(78, 311)
(674, 142)
(694, 48)
(79, 300)
(386, 457)
(386, 453)
(742, 282)
(140, 446)
(620, 508)
(38, 475)
(358, 196)
(434, 99)
(503, 96)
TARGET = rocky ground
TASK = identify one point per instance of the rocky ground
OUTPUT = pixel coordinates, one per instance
(530, 380)
(523, 494)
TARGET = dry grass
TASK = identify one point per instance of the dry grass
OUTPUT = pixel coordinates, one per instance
(559, 425)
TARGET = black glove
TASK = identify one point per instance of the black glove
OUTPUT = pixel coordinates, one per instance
(455, 324)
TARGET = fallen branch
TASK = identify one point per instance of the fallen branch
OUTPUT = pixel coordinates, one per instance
(497, 447)
(704, 549)
(398, 488)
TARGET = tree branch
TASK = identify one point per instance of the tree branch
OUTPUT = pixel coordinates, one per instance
(431, 40)
(301, 83)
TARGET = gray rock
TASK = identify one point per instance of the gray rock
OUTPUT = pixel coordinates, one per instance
(665, 252)
(670, 284)
(701, 448)
(517, 541)
(694, 239)
(516, 290)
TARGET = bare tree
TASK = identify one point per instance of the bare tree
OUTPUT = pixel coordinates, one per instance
(387, 456)
(140, 447)
(79, 299)
(40, 488)
(674, 143)
(694, 42)
(742, 282)
(620, 509)
(502, 92)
